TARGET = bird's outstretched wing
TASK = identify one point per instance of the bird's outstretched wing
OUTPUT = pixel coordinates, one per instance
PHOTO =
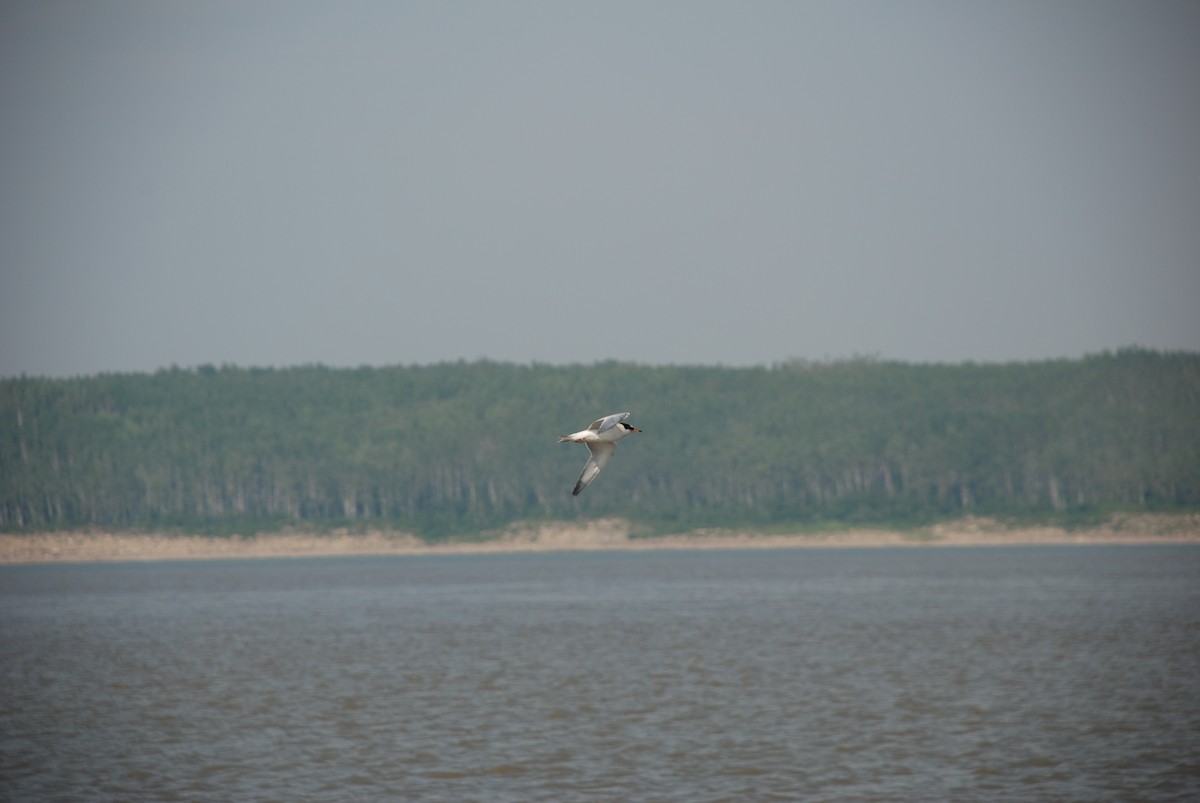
(601, 453)
(608, 422)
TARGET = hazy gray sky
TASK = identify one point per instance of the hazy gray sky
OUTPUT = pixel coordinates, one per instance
(273, 183)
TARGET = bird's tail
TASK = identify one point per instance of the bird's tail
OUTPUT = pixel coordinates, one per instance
(564, 438)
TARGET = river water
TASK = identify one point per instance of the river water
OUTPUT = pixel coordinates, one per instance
(1023, 673)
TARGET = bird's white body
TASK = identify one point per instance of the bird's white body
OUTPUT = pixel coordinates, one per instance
(601, 439)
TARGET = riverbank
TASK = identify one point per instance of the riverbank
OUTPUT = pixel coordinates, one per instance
(96, 546)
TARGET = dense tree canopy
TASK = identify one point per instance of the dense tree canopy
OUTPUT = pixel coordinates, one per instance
(467, 446)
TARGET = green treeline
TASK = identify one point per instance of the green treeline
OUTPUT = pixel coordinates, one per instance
(462, 447)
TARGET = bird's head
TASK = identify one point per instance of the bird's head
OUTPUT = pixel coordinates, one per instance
(630, 428)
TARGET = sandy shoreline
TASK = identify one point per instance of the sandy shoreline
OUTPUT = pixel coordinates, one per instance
(605, 535)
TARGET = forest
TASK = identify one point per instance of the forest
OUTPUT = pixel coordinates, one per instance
(466, 447)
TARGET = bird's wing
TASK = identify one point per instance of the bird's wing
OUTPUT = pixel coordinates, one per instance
(602, 452)
(608, 422)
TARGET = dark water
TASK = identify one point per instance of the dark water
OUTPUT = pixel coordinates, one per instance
(956, 674)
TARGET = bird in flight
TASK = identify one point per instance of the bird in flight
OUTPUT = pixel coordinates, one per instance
(601, 440)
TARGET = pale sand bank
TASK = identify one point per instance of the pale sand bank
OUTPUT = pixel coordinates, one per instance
(605, 535)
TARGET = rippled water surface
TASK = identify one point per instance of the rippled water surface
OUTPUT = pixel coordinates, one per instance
(964, 674)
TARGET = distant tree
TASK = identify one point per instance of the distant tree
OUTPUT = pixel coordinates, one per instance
(456, 447)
